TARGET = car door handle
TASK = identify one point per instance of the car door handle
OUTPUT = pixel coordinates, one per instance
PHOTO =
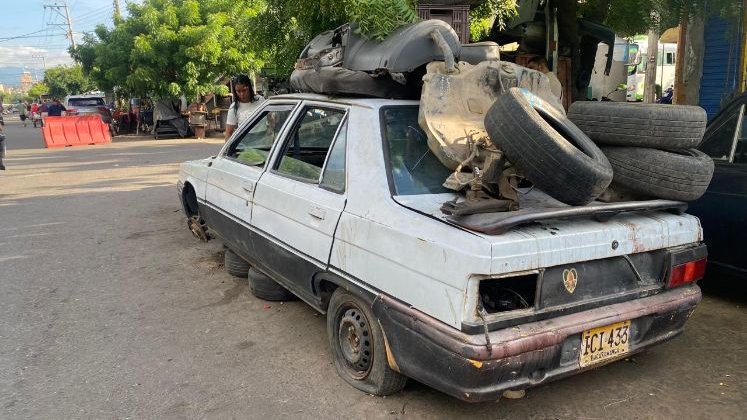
(248, 187)
(317, 213)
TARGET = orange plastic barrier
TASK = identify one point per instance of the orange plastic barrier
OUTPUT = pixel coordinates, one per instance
(75, 130)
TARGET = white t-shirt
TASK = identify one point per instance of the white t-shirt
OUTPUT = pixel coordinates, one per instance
(245, 110)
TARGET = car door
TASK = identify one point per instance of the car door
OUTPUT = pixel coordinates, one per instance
(233, 175)
(723, 208)
(299, 200)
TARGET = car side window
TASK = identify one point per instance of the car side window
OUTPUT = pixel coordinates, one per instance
(333, 178)
(306, 148)
(718, 144)
(740, 153)
(414, 169)
(252, 147)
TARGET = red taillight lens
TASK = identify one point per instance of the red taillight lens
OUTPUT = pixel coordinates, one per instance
(103, 110)
(71, 111)
(686, 273)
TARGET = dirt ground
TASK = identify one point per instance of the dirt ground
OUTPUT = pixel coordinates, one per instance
(110, 309)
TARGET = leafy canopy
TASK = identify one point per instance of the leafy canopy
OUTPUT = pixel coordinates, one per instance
(67, 80)
(631, 17)
(37, 90)
(167, 48)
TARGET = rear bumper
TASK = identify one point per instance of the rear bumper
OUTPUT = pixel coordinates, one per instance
(463, 366)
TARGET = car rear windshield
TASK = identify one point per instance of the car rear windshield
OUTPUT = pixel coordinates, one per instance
(81, 102)
(414, 169)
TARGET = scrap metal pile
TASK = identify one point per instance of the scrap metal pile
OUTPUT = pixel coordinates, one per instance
(497, 125)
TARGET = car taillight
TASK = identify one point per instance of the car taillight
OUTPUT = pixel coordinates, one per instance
(71, 111)
(686, 273)
(103, 110)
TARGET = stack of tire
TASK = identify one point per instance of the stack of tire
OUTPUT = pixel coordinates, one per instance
(547, 148)
(260, 284)
(652, 147)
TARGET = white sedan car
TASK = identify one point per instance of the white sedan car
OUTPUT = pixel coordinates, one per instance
(336, 201)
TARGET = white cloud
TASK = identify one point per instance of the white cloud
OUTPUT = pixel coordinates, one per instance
(18, 56)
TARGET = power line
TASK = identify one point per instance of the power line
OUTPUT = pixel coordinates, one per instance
(21, 36)
(30, 36)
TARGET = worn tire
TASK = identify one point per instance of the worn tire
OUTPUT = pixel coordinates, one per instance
(359, 355)
(235, 265)
(681, 175)
(640, 125)
(548, 148)
(265, 288)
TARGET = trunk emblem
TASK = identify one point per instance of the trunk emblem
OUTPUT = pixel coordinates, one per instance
(570, 279)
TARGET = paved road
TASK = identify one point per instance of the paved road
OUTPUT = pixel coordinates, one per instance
(110, 309)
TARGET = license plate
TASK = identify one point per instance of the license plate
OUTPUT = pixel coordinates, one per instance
(604, 343)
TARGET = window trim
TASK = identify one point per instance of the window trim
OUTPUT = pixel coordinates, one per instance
(737, 133)
(277, 150)
(343, 123)
(245, 128)
(712, 130)
(385, 147)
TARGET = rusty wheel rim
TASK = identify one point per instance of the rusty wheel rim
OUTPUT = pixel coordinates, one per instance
(354, 341)
(197, 229)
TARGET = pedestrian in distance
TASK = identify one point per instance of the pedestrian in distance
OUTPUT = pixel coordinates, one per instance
(35, 113)
(245, 101)
(55, 109)
(23, 112)
(2, 142)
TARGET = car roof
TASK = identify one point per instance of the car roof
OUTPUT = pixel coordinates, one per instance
(365, 102)
(83, 96)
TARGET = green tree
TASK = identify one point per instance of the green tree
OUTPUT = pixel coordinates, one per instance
(632, 17)
(37, 89)
(167, 48)
(67, 80)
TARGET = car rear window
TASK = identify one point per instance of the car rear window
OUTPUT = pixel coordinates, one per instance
(414, 169)
(85, 102)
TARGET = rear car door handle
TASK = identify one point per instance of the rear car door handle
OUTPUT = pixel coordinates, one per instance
(248, 187)
(317, 212)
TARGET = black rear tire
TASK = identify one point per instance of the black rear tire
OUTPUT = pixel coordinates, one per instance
(357, 344)
(265, 288)
(681, 175)
(235, 265)
(640, 125)
(548, 148)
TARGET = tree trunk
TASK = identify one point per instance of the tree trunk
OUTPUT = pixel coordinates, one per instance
(568, 38)
(649, 90)
(680, 96)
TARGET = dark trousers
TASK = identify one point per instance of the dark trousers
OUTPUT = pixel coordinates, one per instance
(2, 149)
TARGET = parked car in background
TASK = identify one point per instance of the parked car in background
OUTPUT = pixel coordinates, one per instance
(87, 105)
(723, 208)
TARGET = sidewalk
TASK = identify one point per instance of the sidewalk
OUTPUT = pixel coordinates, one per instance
(210, 136)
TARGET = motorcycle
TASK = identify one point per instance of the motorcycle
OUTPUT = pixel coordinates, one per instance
(667, 97)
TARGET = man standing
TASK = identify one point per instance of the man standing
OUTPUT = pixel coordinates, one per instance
(540, 64)
(35, 113)
(23, 112)
(55, 109)
(2, 142)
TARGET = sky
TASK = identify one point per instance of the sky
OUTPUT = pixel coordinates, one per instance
(39, 36)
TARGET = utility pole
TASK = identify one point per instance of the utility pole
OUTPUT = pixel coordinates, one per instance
(680, 97)
(57, 7)
(117, 13)
(649, 89)
(44, 61)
